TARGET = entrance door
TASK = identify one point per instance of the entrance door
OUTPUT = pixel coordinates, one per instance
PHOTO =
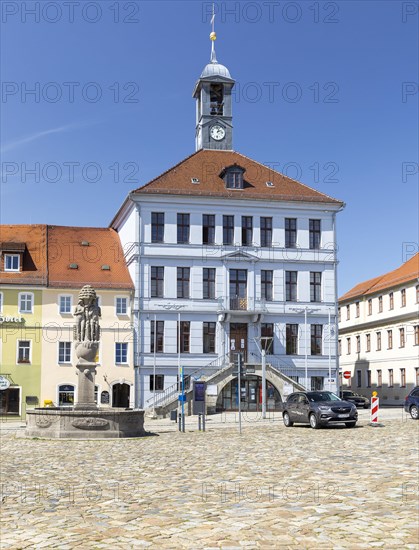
(120, 395)
(317, 383)
(251, 395)
(238, 340)
(10, 401)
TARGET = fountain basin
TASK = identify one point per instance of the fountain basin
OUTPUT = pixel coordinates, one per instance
(67, 423)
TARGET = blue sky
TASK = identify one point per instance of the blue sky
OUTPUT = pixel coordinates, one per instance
(326, 92)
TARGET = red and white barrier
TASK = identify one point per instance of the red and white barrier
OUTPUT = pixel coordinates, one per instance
(374, 409)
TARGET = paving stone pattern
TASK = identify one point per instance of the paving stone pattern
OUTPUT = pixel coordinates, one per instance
(269, 488)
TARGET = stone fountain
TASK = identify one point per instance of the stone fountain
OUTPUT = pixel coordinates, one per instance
(86, 420)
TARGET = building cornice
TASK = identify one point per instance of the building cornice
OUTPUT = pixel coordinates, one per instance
(372, 325)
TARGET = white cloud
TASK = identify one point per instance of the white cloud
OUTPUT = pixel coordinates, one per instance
(38, 135)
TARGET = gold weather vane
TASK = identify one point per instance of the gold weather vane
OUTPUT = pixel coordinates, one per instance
(213, 36)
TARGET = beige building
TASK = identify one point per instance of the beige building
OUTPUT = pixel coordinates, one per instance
(79, 256)
(379, 334)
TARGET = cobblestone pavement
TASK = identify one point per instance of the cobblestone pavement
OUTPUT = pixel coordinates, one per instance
(270, 488)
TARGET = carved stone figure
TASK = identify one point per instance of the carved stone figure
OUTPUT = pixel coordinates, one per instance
(86, 336)
(87, 314)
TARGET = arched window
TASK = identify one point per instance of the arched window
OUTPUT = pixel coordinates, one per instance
(66, 395)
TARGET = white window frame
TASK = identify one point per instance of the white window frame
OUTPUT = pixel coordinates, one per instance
(6, 255)
(121, 362)
(21, 294)
(17, 352)
(59, 304)
(74, 393)
(58, 351)
(116, 305)
(1, 302)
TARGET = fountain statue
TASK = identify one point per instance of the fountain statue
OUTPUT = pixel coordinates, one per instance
(86, 420)
(86, 334)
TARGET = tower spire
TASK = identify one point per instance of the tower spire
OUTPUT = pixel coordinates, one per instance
(213, 37)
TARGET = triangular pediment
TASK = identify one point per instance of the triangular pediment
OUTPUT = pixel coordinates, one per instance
(240, 256)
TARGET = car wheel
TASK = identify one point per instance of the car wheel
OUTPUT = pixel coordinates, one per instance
(414, 412)
(366, 406)
(350, 424)
(314, 423)
(287, 420)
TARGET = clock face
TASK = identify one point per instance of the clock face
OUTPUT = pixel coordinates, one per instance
(217, 132)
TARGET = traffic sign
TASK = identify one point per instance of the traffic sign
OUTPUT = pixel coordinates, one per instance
(347, 374)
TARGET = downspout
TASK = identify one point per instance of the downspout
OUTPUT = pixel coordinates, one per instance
(335, 267)
(137, 310)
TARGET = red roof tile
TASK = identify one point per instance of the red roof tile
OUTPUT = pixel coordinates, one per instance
(103, 249)
(409, 271)
(206, 165)
(34, 265)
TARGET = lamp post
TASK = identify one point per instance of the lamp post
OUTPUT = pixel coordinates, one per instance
(330, 352)
(306, 310)
(154, 366)
(262, 350)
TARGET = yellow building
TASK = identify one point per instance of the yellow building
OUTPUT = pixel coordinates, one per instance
(42, 270)
(23, 276)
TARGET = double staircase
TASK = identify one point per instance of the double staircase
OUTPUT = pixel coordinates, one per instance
(222, 371)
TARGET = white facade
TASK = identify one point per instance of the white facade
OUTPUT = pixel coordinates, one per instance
(133, 223)
(379, 341)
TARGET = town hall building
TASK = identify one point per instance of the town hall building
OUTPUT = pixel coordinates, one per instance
(229, 256)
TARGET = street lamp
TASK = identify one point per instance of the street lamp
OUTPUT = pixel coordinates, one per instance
(306, 311)
(331, 333)
(262, 349)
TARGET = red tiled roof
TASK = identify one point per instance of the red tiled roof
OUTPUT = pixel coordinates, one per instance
(409, 271)
(104, 249)
(34, 265)
(206, 165)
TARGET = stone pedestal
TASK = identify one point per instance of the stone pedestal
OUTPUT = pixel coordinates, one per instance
(86, 386)
(77, 424)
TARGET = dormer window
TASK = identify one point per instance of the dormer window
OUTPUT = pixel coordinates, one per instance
(11, 256)
(12, 262)
(233, 177)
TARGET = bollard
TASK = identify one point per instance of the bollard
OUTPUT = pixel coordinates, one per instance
(375, 402)
(374, 409)
(203, 422)
(199, 422)
(183, 422)
(180, 421)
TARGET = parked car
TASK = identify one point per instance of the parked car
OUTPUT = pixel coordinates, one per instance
(318, 408)
(411, 404)
(358, 400)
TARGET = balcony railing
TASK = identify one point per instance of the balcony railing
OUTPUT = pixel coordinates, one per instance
(226, 303)
(238, 304)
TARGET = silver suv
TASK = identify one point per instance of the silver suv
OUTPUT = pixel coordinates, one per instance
(318, 408)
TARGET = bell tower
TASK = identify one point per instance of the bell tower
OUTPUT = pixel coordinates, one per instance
(214, 120)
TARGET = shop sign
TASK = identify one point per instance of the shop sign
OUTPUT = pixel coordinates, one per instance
(11, 319)
(4, 383)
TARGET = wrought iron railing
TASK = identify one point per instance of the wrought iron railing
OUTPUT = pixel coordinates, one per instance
(171, 393)
(238, 303)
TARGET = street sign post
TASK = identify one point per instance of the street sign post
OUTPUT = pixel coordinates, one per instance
(182, 399)
(238, 363)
